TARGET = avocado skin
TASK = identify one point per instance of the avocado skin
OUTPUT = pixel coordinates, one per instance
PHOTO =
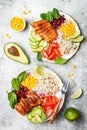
(28, 60)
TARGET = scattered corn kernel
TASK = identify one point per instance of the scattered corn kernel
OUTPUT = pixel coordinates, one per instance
(17, 23)
(29, 82)
(74, 85)
(24, 12)
(70, 75)
(25, 6)
(68, 29)
(29, 11)
(7, 35)
(74, 66)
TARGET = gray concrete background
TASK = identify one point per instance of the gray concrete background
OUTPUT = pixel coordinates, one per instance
(9, 119)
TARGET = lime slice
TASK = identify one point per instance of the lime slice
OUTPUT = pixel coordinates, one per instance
(77, 94)
(77, 39)
(76, 34)
(39, 69)
(36, 75)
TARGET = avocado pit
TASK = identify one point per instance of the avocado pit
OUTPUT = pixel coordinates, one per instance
(13, 51)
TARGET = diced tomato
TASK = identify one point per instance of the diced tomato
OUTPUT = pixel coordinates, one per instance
(44, 53)
(55, 99)
(48, 103)
(51, 104)
(43, 104)
(49, 50)
(49, 112)
(45, 100)
(54, 45)
(52, 56)
(57, 52)
(48, 107)
(49, 98)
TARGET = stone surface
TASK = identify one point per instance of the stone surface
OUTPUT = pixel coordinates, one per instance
(9, 119)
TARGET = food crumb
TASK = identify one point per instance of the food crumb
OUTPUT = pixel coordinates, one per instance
(74, 85)
(7, 35)
(29, 11)
(25, 6)
(24, 12)
(70, 75)
(74, 66)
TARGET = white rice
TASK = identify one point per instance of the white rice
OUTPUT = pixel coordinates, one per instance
(67, 47)
(49, 83)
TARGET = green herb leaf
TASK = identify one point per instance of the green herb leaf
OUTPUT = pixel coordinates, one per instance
(49, 16)
(55, 13)
(43, 16)
(60, 61)
(22, 76)
(12, 97)
(39, 56)
(15, 83)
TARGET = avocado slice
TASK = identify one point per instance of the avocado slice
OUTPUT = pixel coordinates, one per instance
(39, 49)
(35, 36)
(38, 119)
(33, 120)
(15, 52)
(29, 116)
(43, 116)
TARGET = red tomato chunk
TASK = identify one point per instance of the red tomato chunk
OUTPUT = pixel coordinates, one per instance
(48, 104)
(52, 51)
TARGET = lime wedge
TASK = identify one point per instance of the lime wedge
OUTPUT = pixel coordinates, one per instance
(77, 94)
(36, 75)
(77, 39)
(76, 34)
(39, 69)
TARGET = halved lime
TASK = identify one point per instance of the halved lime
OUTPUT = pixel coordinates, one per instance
(39, 69)
(77, 94)
(36, 75)
(71, 114)
(76, 34)
(77, 39)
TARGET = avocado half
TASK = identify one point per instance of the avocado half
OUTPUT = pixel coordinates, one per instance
(19, 56)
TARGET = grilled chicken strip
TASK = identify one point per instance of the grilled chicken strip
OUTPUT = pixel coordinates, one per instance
(44, 29)
(26, 104)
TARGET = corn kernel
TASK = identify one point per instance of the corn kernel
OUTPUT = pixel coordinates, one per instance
(70, 75)
(74, 66)
(74, 85)
(29, 82)
(68, 29)
(24, 12)
(7, 35)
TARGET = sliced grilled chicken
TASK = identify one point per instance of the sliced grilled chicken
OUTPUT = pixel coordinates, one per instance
(26, 104)
(44, 29)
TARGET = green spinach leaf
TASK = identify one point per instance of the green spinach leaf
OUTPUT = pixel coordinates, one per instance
(39, 56)
(60, 61)
(22, 76)
(15, 83)
(43, 16)
(49, 16)
(12, 97)
(55, 13)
